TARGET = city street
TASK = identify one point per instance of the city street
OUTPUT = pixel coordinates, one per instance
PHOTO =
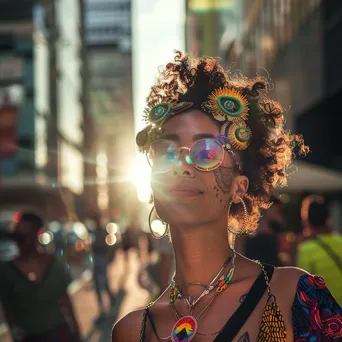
(130, 297)
(98, 100)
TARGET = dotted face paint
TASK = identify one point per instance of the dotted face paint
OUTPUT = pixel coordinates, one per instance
(224, 176)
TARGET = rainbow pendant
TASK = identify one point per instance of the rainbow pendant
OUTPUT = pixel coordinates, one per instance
(184, 329)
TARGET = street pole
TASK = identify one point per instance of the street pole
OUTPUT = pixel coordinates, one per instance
(89, 138)
(53, 164)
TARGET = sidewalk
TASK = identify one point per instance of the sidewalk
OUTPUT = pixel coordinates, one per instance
(130, 297)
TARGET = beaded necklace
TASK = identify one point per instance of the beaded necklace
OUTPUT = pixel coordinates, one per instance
(186, 326)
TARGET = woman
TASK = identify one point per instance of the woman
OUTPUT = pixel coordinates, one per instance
(217, 148)
(33, 290)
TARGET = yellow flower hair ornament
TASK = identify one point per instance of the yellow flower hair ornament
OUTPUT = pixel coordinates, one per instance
(239, 135)
(227, 104)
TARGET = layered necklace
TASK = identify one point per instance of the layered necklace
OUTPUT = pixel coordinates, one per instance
(185, 328)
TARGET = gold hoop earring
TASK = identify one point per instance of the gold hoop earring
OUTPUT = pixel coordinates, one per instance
(245, 218)
(150, 226)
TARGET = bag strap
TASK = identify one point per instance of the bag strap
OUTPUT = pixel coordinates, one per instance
(143, 324)
(240, 316)
(334, 257)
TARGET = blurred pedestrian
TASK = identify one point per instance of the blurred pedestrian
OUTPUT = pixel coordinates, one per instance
(321, 254)
(102, 257)
(156, 274)
(167, 263)
(130, 239)
(33, 289)
(149, 270)
(264, 246)
(129, 245)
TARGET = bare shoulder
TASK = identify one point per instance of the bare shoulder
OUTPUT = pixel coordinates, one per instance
(285, 280)
(128, 328)
(290, 274)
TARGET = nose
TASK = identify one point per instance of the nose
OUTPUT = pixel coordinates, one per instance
(184, 164)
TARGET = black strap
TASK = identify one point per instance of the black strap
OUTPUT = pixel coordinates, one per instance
(240, 316)
(143, 325)
(330, 252)
(152, 322)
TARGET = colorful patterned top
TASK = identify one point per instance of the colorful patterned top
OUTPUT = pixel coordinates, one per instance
(316, 315)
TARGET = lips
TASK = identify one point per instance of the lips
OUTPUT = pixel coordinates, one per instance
(185, 190)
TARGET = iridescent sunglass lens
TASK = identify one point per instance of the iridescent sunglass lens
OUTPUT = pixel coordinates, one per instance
(163, 155)
(206, 154)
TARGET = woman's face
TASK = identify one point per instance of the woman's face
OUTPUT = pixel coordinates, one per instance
(186, 195)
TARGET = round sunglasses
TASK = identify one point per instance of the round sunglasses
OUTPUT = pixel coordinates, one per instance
(204, 154)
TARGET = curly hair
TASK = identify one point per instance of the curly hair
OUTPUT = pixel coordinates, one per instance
(271, 149)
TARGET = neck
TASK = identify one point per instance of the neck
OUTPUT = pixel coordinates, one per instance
(200, 253)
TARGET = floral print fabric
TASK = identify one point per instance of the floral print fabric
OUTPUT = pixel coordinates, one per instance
(316, 315)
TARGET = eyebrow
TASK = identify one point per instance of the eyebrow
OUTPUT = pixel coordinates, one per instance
(195, 137)
(202, 136)
(174, 137)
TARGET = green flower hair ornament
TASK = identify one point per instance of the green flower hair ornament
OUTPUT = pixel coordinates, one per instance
(162, 111)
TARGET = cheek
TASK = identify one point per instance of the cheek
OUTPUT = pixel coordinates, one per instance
(224, 179)
(215, 197)
(159, 182)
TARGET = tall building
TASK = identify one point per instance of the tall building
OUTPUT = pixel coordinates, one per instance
(41, 153)
(69, 98)
(108, 41)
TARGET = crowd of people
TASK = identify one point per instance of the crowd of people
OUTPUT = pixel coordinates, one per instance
(34, 288)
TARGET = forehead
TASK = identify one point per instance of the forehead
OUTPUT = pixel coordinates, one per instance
(190, 123)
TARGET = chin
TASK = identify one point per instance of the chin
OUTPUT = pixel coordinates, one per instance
(178, 213)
